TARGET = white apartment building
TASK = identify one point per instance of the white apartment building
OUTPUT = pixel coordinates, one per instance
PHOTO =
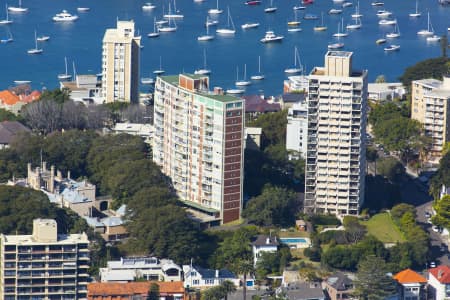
(198, 142)
(335, 160)
(120, 64)
(44, 265)
(297, 128)
(430, 105)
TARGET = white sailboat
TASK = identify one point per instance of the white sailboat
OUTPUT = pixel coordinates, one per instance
(259, 76)
(429, 31)
(66, 75)
(271, 8)
(155, 32)
(7, 20)
(244, 81)
(339, 33)
(433, 38)
(18, 9)
(229, 30)
(204, 70)
(295, 22)
(297, 68)
(320, 27)
(173, 15)
(215, 11)
(160, 70)
(148, 6)
(171, 26)
(356, 25)
(8, 39)
(35, 50)
(416, 13)
(207, 36)
(394, 34)
(357, 14)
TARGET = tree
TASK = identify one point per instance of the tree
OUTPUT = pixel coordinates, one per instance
(380, 79)
(228, 287)
(442, 208)
(399, 210)
(372, 282)
(444, 45)
(43, 116)
(153, 292)
(244, 267)
(429, 68)
(57, 95)
(273, 126)
(372, 156)
(391, 168)
(6, 115)
(354, 231)
(441, 177)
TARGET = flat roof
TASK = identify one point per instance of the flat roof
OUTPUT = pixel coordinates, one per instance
(339, 53)
(63, 239)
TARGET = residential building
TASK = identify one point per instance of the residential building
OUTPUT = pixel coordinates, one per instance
(336, 149)
(385, 91)
(9, 130)
(13, 102)
(412, 285)
(145, 131)
(295, 84)
(264, 243)
(133, 268)
(135, 290)
(197, 277)
(256, 105)
(287, 100)
(120, 64)
(430, 105)
(297, 129)
(302, 291)
(338, 286)
(198, 143)
(44, 265)
(439, 282)
(86, 89)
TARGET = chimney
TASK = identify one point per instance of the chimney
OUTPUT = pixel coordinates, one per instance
(217, 273)
(68, 175)
(44, 166)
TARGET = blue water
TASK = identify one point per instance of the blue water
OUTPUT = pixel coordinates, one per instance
(180, 51)
(292, 240)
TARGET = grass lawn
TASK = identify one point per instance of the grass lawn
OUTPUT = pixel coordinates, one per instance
(382, 227)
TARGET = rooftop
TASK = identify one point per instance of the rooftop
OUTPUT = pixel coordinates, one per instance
(340, 282)
(9, 129)
(68, 239)
(409, 276)
(8, 97)
(132, 288)
(339, 53)
(264, 240)
(441, 273)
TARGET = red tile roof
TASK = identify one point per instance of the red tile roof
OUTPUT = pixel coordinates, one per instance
(8, 98)
(34, 95)
(106, 289)
(441, 273)
(409, 276)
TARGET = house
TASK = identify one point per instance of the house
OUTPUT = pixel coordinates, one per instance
(85, 89)
(302, 291)
(412, 285)
(264, 243)
(135, 290)
(300, 225)
(13, 102)
(287, 100)
(338, 286)
(256, 105)
(149, 268)
(197, 277)
(9, 130)
(145, 131)
(385, 91)
(439, 282)
(296, 84)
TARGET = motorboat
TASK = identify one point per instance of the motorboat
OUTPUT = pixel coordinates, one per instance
(235, 91)
(270, 37)
(271, 8)
(19, 82)
(347, 4)
(294, 29)
(83, 9)
(433, 38)
(429, 31)
(392, 48)
(18, 9)
(253, 2)
(148, 6)
(42, 38)
(249, 25)
(383, 13)
(229, 30)
(416, 14)
(147, 81)
(215, 11)
(335, 46)
(66, 75)
(380, 41)
(36, 49)
(297, 68)
(387, 22)
(65, 16)
(335, 11)
(377, 3)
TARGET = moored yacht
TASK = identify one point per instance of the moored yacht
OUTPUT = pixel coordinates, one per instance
(270, 37)
(65, 16)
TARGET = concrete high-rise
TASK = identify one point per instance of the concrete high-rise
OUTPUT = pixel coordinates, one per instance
(336, 150)
(44, 265)
(120, 64)
(198, 142)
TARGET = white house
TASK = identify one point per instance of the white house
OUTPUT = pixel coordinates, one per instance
(385, 90)
(264, 243)
(439, 282)
(197, 277)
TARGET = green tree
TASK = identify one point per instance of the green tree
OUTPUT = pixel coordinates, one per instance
(6, 115)
(400, 209)
(441, 177)
(273, 126)
(153, 292)
(380, 79)
(245, 268)
(372, 156)
(372, 282)
(429, 68)
(442, 208)
(444, 45)
(391, 168)
(227, 287)
(57, 95)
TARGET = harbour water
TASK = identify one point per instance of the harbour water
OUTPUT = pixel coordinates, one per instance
(180, 51)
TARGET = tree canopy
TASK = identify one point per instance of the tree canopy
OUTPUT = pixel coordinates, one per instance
(429, 68)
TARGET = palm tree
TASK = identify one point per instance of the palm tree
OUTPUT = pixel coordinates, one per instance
(228, 287)
(245, 267)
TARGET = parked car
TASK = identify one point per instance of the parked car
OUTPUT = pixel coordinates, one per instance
(432, 264)
(435, 228)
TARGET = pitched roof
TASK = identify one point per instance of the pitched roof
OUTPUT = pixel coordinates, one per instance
(210, 273)
(133, 288)
(264, 240)
(8, 97)
(9, 129)
(340, 282)
(254, 103)
(409, 276)
(34, 95)
(441, 273)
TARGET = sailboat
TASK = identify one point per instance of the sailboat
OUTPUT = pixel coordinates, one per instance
(160, 70)
(429, 30)
(171, 26)
(155, 32)
(296, 22)
(321, 27)
(171, 15)
(259, 76)
(339, 33)
(7, 20)
(395, 33)
(244, 81)
(35, 50)
(356, 25)
(271, 8)
(338, 44)
(18, 9)
(74, 77)
(9, 39)
(205, 70)
(297, 68)
(357, 14)
(215, 11)
(230, 27)
(207, 36)
(148, 6)
(416, 13)
(66, 75)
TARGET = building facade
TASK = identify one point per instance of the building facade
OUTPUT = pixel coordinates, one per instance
(297, 128)
(135, 290)
(120, 64)
(44, 265)
(430, 106)
(335, 160)
(198, 143)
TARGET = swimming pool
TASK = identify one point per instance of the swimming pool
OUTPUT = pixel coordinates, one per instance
(293, 240)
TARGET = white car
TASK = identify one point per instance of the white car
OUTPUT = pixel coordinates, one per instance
(432, 264)
(435, 228)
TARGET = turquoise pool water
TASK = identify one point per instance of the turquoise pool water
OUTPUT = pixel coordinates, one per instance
(293, 240)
